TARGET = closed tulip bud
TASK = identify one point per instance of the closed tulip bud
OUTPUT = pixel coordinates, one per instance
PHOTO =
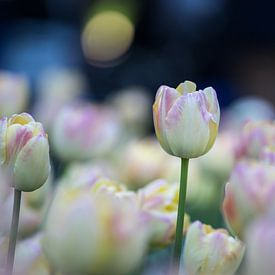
(255, 135)
(14, 93)
(159, 200)
(105, 233)
(211, 252)
(24, 148)
(260, 240)
(186, 121)
(248, 195)
(84, 131)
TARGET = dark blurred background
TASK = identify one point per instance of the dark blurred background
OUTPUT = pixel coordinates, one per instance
(229, 45)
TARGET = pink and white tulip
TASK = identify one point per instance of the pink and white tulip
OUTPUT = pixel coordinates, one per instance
(24, 148)
(186, 121)
(211, 251)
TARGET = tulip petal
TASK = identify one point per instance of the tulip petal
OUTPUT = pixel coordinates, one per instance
(165, 99)
(32, 165)
(23, 118)
(186, 87)
(3, 135)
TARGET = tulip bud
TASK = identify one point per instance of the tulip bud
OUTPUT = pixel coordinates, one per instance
(24, 148)
(255, 135)
(84, 131)
(186, 121)
(159, 200)
(211, 252)
(14, 93)
(249, 194)
(260, 240)
(94, 233)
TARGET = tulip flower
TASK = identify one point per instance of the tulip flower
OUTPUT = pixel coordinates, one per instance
(14, 93)
(260, 240)
(186, 121)
(94, 232)
(159, 200)
(24, 149)
(186, 124)
(211, 252)
(84, 131)
(248, 195)
(254, 137)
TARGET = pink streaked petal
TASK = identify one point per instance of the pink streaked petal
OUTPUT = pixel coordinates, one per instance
(17, 137)
(3, 139)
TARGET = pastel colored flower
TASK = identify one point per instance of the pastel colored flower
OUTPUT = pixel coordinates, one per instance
(268, 154)
(186, 121)
(90, 232)
(260, 240)
(24, 148)
(249, 194)
(211, 251)
(14, 93)
(254, 137)
(84, 131)
(159, 200)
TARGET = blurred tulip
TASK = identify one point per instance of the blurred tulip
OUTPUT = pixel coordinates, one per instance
(214, 163)
(90, 232)
(24, 148)
(84, 131)
(14, 93)
(211, 252)
(186, 121)
(260, 240)
(159, 200)
(268, 154)
(56, 89)
(135, 120)
(255, 135)
(249, 194)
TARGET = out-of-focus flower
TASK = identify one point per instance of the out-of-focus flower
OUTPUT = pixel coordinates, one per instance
(90, 232)
(33, 208)
(247, 109)
(159, 200)
(141, 161)
(84, 131)
(29, 258)
(56, 89)
(211, 252)
(14, 93)
(260, 240)
(186, 121)
(215, 164)
(24, 148)
(268, 154)
(135, 120)
(255, 135)
(249, 194)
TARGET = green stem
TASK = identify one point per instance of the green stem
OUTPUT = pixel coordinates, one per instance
(13, 231)
(181, 212)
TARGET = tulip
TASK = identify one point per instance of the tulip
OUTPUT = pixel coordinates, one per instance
(94, 232)
(24, 148)
(186, 121)
(260, 240)
(248, 195)
(255, 135)
(14, 93)
(211, 252)
(84, 131)
(159, 200)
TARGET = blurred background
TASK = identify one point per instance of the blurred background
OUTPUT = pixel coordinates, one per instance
(114, 44)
